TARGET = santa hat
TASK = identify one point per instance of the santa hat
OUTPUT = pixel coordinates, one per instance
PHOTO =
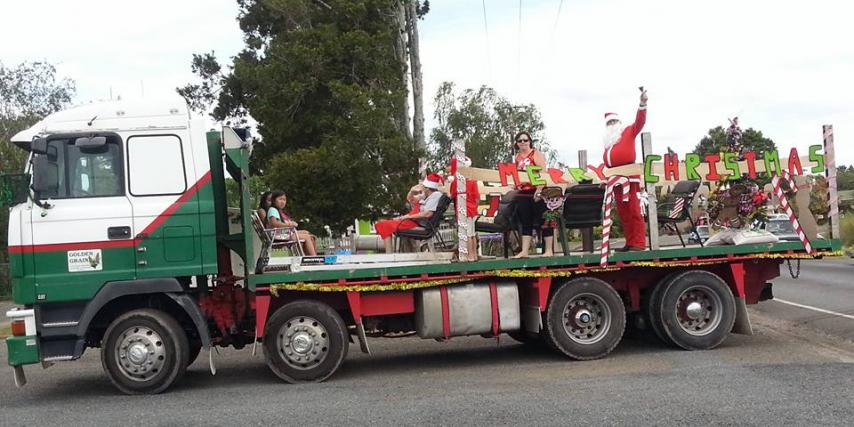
(433, 181)
(611, 116)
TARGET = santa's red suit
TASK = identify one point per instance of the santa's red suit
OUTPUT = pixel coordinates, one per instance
(619, 153)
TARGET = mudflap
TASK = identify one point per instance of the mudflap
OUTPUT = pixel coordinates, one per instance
(20, 378)
(742, 318)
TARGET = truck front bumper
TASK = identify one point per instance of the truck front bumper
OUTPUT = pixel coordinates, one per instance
(23, 350)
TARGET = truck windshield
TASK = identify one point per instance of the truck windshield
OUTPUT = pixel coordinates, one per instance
(86, 172)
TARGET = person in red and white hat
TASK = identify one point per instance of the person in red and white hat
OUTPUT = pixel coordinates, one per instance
(430, 201)
(619, 143)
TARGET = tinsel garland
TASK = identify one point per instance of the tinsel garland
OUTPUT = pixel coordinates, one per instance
(406, 286)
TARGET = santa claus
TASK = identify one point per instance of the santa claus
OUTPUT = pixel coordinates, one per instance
(620, 150)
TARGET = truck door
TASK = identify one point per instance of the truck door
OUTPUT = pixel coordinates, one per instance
(161, 188)
(83, 237)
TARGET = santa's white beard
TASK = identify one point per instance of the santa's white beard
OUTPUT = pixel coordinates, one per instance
(612, 134)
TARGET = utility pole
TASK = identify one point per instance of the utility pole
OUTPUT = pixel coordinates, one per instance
(417, 82)
(400, 52)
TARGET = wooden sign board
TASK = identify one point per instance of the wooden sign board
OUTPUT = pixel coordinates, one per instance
(656, 169)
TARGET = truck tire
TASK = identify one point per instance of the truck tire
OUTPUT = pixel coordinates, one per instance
(585, 319)
(697, 310)
(652, 305)
(144, 351)
(305, 341)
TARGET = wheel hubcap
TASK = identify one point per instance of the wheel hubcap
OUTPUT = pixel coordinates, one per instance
(698, 310)
(140, 353)
(303, 342)
(587, 318)
(694, 310)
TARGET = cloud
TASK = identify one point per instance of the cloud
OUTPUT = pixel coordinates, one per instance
(124, 47)
(783, 67)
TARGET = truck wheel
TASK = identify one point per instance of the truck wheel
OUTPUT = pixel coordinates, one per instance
(585, 319)
(652, 305)
(144, 351)
(697, 310)
(305, 341)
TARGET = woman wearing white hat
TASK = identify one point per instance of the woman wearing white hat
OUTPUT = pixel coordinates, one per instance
(429, 203)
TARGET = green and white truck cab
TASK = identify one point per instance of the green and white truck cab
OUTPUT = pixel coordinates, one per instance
(120, 206)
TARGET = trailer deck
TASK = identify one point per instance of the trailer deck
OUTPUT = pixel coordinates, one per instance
(334, 278)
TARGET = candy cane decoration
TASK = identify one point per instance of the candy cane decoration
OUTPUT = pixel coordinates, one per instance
(614, 181)
(778, 190)
(677, 208)
(830, 172)
(460, 203)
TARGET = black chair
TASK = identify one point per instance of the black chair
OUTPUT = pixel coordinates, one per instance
(428, 228)
(582, 209)
(509, 223)
(677, 208)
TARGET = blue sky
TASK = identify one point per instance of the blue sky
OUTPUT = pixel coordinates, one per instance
(784, 67)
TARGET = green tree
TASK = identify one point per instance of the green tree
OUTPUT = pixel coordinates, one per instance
(28, 92)
(752, 140)
(326, 83)
(845, 178)
(486, 121)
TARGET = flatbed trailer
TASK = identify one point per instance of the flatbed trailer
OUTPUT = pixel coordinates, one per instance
(153, 316)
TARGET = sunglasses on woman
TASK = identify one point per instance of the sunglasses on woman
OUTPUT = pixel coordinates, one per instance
(523, 140)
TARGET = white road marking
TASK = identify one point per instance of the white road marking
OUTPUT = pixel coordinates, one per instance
(809, 307)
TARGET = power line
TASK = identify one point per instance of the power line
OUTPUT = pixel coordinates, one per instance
(550, 55)
(554, 27)
(486, 31)
(519, 49)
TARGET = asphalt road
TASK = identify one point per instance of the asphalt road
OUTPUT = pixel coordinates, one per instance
(824, 284)
(796, 369)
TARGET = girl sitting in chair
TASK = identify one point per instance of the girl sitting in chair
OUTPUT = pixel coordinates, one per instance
(277, 218)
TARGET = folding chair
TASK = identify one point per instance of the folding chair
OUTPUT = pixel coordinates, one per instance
(677, 208)
(582, 209)
(428, 228)
(271, 238)
(507, 209)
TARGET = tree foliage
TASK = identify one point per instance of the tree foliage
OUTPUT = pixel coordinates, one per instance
(326, 83)
(752, 140)
(818, 199)
(28, 92)
(845, 178)
(486, 122)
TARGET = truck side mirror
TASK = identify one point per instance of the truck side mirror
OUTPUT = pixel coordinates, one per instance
(45, 175)
(39, 146)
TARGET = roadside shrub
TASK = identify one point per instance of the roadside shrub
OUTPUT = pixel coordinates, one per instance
(5, 285)
(846, 228)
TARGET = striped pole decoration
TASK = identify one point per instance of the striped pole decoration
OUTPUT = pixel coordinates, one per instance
(778, 190)
(460, 203)
(830, 173)
(677, 208)
(614, 181)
